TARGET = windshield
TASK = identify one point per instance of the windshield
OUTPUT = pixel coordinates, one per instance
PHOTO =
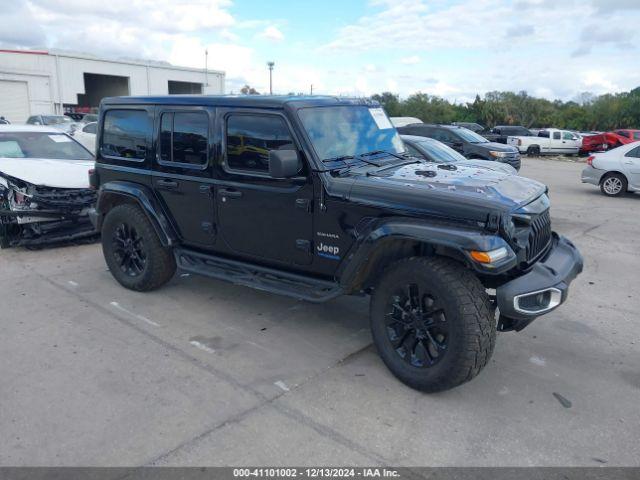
(469, 136)
(349, 130)
(56, 120)
(439, 152)
(41, 145)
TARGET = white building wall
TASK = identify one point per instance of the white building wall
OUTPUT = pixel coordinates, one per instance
(56, 78)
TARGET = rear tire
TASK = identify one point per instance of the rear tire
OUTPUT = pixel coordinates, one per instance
(533, 151)
(432, 323)
(613, 185)
(133, 252)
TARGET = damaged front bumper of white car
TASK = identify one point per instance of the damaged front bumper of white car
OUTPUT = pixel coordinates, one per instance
(34, 215)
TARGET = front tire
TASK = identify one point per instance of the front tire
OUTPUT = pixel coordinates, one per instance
(613, 185)
(432, 323)
(133, 252)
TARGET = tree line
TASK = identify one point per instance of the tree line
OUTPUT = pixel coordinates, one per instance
(588, 112)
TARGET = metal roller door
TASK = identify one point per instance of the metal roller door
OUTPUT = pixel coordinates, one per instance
(14, 101)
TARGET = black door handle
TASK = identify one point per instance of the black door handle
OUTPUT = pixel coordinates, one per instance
(167, 184)
(229, 193)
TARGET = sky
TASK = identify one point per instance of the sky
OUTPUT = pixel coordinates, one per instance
(456, 49)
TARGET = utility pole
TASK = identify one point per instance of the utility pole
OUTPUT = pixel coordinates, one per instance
(312, 89)
(206, 69)
(270, 65)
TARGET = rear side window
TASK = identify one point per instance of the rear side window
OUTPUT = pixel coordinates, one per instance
(556, 135)
(184, 137)
(543, 134)
(250, 138)
(125, 134)
(634, 153)
(623, 133)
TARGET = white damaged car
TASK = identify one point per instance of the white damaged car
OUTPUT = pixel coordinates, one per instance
(44, 187)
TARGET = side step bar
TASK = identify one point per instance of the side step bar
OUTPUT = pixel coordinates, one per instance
(260, 278)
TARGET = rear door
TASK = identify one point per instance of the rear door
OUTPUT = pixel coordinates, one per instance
(569, 142)
(260, 216)
(182, 167)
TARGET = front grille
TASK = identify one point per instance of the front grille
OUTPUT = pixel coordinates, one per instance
(539, 235)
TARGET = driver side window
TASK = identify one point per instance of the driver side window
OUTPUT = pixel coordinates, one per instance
(250, 138)
(443, 136)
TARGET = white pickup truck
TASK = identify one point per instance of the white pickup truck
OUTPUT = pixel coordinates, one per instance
(548, 142)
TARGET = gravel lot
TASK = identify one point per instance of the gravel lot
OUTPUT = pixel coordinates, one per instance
(206, 373)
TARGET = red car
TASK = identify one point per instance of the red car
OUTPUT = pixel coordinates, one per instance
(609, 140)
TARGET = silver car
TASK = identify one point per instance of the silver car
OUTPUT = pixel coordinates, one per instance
(616, 172)
(435, 151)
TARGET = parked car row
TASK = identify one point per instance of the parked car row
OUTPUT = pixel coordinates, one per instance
(545, 141)
(469, 144)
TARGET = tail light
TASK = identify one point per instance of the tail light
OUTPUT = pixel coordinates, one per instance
(590, 160)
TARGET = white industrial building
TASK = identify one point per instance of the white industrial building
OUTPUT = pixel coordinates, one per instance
(52, 82)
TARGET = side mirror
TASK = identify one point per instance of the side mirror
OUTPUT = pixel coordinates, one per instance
(284, 163)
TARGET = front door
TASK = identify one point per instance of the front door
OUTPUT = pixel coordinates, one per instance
(631, 166)
(261, 216)
(181, 169)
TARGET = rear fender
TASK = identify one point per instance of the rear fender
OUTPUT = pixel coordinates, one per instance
(115, 193)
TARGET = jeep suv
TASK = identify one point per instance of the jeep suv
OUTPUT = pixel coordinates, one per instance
(315, 197)
(466, 142)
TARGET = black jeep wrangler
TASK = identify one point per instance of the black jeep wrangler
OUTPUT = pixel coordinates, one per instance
(316, 197)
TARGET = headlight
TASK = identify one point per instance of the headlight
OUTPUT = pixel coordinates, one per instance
(495, 154)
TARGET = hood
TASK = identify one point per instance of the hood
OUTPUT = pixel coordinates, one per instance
(464, 192)
(49, 173)
(498, 147)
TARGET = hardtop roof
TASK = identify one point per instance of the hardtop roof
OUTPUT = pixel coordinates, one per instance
(255, 101)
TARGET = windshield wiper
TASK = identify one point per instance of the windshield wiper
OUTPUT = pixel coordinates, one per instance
(341, 158)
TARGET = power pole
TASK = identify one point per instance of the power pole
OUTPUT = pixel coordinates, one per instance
(312, 89)
(206, 69)
(270, 65)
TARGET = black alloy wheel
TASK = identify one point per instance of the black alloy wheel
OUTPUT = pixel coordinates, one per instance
(128, 249)
(417, 326)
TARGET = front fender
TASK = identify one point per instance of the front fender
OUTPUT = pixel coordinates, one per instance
(455, 240)
(113, 193)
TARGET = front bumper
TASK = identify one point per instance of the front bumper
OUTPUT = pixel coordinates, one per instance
(541, 290)
(513, 160)
(592, 175)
